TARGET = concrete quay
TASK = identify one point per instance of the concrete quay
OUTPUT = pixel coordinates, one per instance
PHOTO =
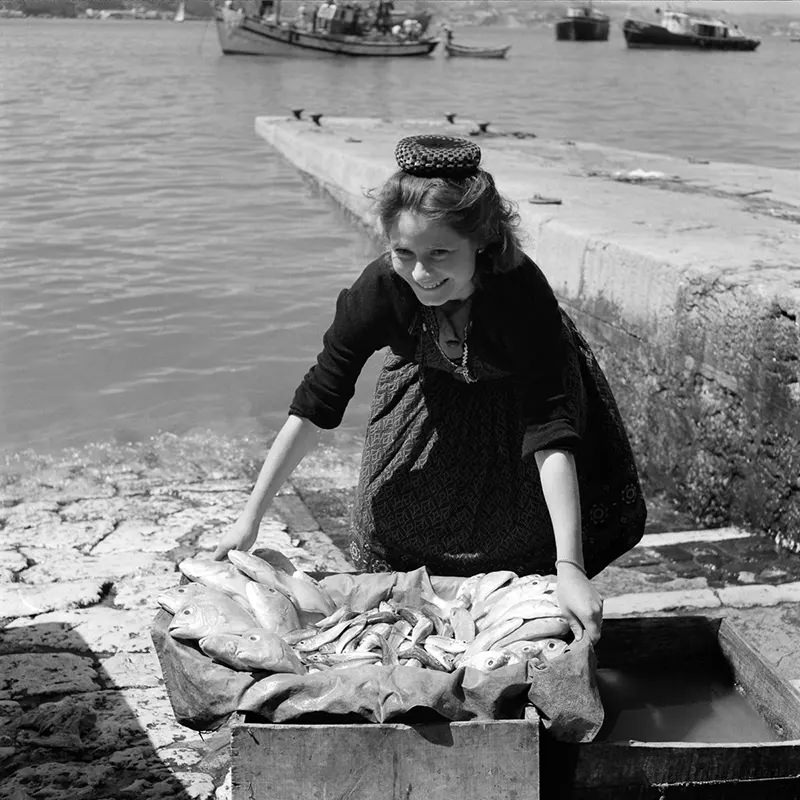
(684, 275)
(88, 541)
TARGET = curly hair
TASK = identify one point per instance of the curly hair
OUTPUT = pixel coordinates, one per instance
(471, 206)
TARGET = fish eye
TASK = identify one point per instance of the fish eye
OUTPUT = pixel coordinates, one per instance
(186, 612)
(551, 645)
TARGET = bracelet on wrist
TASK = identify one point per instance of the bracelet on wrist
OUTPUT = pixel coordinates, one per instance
(575, 564)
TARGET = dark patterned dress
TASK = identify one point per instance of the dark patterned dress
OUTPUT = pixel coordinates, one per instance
(444, 482)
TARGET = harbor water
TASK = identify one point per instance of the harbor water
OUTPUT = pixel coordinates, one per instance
(164, 271)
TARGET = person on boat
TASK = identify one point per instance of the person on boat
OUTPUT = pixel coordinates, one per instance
(448, 33)
(383, 20)
(494, 441)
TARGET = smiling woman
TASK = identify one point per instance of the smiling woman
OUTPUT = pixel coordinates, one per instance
(493, 441)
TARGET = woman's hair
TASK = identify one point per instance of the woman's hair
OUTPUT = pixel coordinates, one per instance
(471, 206)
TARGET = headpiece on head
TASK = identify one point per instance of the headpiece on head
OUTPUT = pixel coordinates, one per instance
(435, 156)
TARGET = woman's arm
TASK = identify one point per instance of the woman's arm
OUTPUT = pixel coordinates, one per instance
(579, 600)
(294, 440)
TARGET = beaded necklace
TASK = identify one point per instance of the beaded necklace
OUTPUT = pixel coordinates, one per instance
(462, 368)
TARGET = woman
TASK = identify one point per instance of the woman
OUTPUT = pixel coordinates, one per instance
(493, 440)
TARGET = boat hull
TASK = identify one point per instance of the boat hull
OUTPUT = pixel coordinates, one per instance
(243, 35)
(645, 34)
(463, 51)
(577, 29)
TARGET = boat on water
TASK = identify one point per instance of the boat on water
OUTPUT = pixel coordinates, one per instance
(583, 23)
(473, 51)
(684, 29)
(246, 29)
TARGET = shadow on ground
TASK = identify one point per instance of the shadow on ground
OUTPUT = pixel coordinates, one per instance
(66, 729)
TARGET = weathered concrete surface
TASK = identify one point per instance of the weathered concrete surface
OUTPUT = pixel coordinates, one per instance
(84, 712)
(684, 275)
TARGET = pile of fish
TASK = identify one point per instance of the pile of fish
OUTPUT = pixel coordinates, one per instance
(260, 613)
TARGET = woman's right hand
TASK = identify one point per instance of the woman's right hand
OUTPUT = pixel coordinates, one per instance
(241, 535)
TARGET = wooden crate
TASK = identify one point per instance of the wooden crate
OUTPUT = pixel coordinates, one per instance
(514, 760)
(672, 770)
(495, 760)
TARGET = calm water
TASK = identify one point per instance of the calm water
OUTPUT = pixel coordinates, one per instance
(163, 270)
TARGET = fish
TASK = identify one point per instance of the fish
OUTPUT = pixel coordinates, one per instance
(273, 610)
(463, 624)
(554, 648)
(465, 595)
(487, 639)
(492, 581)
(529, 608)
(539, 647)
(216, 575)
(421, 655)
(543, 628)
(172, 599)
(526, 587)
(277, 560)
(323, 637)
(311, 601)
(260, 649)
(222, 647)
(444, 658)
(489, 660)
(449, 645)
(210, 612)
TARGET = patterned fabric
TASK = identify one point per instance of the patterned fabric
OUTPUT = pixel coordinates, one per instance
(444, 483)
(436, 156)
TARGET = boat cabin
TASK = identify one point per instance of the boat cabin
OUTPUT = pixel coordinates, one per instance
(691, 25)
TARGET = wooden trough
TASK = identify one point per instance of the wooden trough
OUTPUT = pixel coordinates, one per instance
(516, 760)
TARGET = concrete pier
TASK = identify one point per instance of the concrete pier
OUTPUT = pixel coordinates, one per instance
(684, 275)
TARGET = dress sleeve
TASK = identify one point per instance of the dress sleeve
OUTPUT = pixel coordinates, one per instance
(360, 327)
(552, 396)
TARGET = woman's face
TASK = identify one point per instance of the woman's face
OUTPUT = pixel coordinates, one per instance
(434, 260)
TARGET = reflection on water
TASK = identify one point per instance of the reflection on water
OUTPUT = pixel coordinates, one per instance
(678, 706)
(163, 269)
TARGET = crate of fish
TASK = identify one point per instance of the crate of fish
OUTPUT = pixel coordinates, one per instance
(436, 681)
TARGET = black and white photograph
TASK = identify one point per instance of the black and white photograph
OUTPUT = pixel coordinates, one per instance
(400, 399)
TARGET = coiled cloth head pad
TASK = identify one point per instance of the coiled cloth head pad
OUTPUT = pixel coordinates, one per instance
(435, 156)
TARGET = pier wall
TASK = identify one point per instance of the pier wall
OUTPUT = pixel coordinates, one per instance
(684, 275)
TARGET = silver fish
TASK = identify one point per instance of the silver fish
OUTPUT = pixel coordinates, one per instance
(172, 599)
(262, 650)
(273, 610)
(547, 648)
(528, 608)
(492, 581)
(216, 575)
(487, 639)
(210, 612)
(532, 629)
(222, 647)
(309, 598)
(489, 660)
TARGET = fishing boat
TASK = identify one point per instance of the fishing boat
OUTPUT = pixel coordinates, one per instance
(472, 51)
(583, 24)
(244, 29)
(683, 29)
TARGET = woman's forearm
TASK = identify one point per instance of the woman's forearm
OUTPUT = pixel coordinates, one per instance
(294, 440)
(559, 479)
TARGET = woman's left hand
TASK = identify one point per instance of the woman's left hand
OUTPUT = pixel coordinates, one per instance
(580, 602)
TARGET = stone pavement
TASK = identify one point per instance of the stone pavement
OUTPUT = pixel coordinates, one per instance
(88, 540)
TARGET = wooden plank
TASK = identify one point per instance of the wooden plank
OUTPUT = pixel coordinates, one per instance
(773, 698)
(433, 761)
